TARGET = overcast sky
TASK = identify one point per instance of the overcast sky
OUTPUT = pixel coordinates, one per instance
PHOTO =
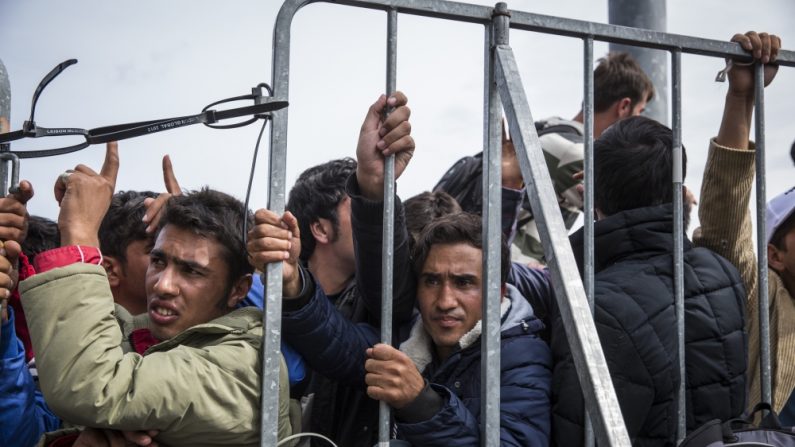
(151, 59)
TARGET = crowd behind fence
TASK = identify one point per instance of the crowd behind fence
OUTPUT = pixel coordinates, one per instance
(503, 89)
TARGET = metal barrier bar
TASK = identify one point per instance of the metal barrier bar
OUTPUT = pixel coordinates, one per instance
(387, 247)
(492, 235)
(588, 357)
(588, 210)
(679, 234)
(761, 235)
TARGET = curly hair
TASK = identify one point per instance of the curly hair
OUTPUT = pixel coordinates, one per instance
(316, 195)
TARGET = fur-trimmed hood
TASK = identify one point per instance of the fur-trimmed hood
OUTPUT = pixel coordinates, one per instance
(514, 310)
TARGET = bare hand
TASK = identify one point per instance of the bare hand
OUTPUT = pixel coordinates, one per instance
(9, 274)
(379, 138)
(276, 239)
(511, 173)
(141, 438)
(763, 47)
(155, 207)
(391, 376)
(14, 214)
(84, 197)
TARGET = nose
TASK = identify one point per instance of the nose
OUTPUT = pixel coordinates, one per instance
(166, 284)
(446, 299)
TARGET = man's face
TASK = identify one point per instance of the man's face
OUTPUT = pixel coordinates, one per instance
(186, 282)
(343, 236)
(449, 293)
(133, 276)
(783, 260)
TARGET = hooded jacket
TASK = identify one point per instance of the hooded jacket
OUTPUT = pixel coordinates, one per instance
(200, 388)
(339, 353)
(636, 322)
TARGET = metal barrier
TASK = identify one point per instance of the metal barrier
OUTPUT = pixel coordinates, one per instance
(503, 87)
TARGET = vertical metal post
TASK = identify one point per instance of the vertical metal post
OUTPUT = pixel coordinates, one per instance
(761, 236)
(492, 236)
(5, 123)
(589, 359)
(679, 286)
(387, 248)
(588, 219)
(647, 14)
(272, 307)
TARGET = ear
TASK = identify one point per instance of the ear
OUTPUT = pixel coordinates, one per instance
(624, 107)
(775, 258)
(113, 268)
(322, 231)
(238, 291)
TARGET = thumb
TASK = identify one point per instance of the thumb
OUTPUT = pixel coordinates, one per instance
(11, 251)
(24, 193)
(374, 114)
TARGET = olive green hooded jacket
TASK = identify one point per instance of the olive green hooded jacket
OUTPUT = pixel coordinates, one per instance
(200, 388)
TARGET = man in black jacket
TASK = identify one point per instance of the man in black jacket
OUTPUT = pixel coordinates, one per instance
(634, 300)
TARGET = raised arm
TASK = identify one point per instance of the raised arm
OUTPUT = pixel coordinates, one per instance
(728, 178)
(379, 138)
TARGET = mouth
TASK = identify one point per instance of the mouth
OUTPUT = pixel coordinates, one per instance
(447, 322)
(159, 314)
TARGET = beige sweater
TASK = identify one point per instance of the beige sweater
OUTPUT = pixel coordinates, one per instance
(726, 229)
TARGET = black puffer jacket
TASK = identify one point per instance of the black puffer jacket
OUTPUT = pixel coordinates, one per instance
(636, 321)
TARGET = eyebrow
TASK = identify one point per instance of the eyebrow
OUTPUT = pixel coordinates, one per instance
(159, 253)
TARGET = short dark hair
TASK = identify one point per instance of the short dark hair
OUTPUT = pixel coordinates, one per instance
(463, 228)
(214, 215)
(782, 231)
(316, 195)
(619, 76)
(633, 162)
(123, 224)
(42, 235)
(426, 207)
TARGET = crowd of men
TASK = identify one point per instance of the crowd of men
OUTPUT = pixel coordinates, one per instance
(136, 318)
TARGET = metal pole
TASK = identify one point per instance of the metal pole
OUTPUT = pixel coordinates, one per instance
(588, 220)
(387, 247)
(647, 14)
(492, 237)
(679, 282)
(5, 123)
(272, 307)
(589, 359)
(761, 236)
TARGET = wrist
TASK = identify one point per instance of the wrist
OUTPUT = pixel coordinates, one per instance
(86, 240)
(371, 187)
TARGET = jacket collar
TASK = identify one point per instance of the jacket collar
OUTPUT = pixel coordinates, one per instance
(514, 310)
(639, 233)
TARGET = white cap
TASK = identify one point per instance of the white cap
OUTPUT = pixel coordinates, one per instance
(778, 210)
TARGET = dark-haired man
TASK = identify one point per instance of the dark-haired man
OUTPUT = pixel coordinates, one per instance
(328, 216)
(634, 300)
(621, 90)
(125, 247)
(194, 374)
(433, 381)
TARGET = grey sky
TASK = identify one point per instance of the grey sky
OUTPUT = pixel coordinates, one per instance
(148, 59)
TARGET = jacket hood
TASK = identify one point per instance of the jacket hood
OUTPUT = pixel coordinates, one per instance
(640, 233)
(514, 311)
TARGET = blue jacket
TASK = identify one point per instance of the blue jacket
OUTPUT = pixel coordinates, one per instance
(338, 351)
(23, 414)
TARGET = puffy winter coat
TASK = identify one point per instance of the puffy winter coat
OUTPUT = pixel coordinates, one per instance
(339, 353)
(636, 322)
